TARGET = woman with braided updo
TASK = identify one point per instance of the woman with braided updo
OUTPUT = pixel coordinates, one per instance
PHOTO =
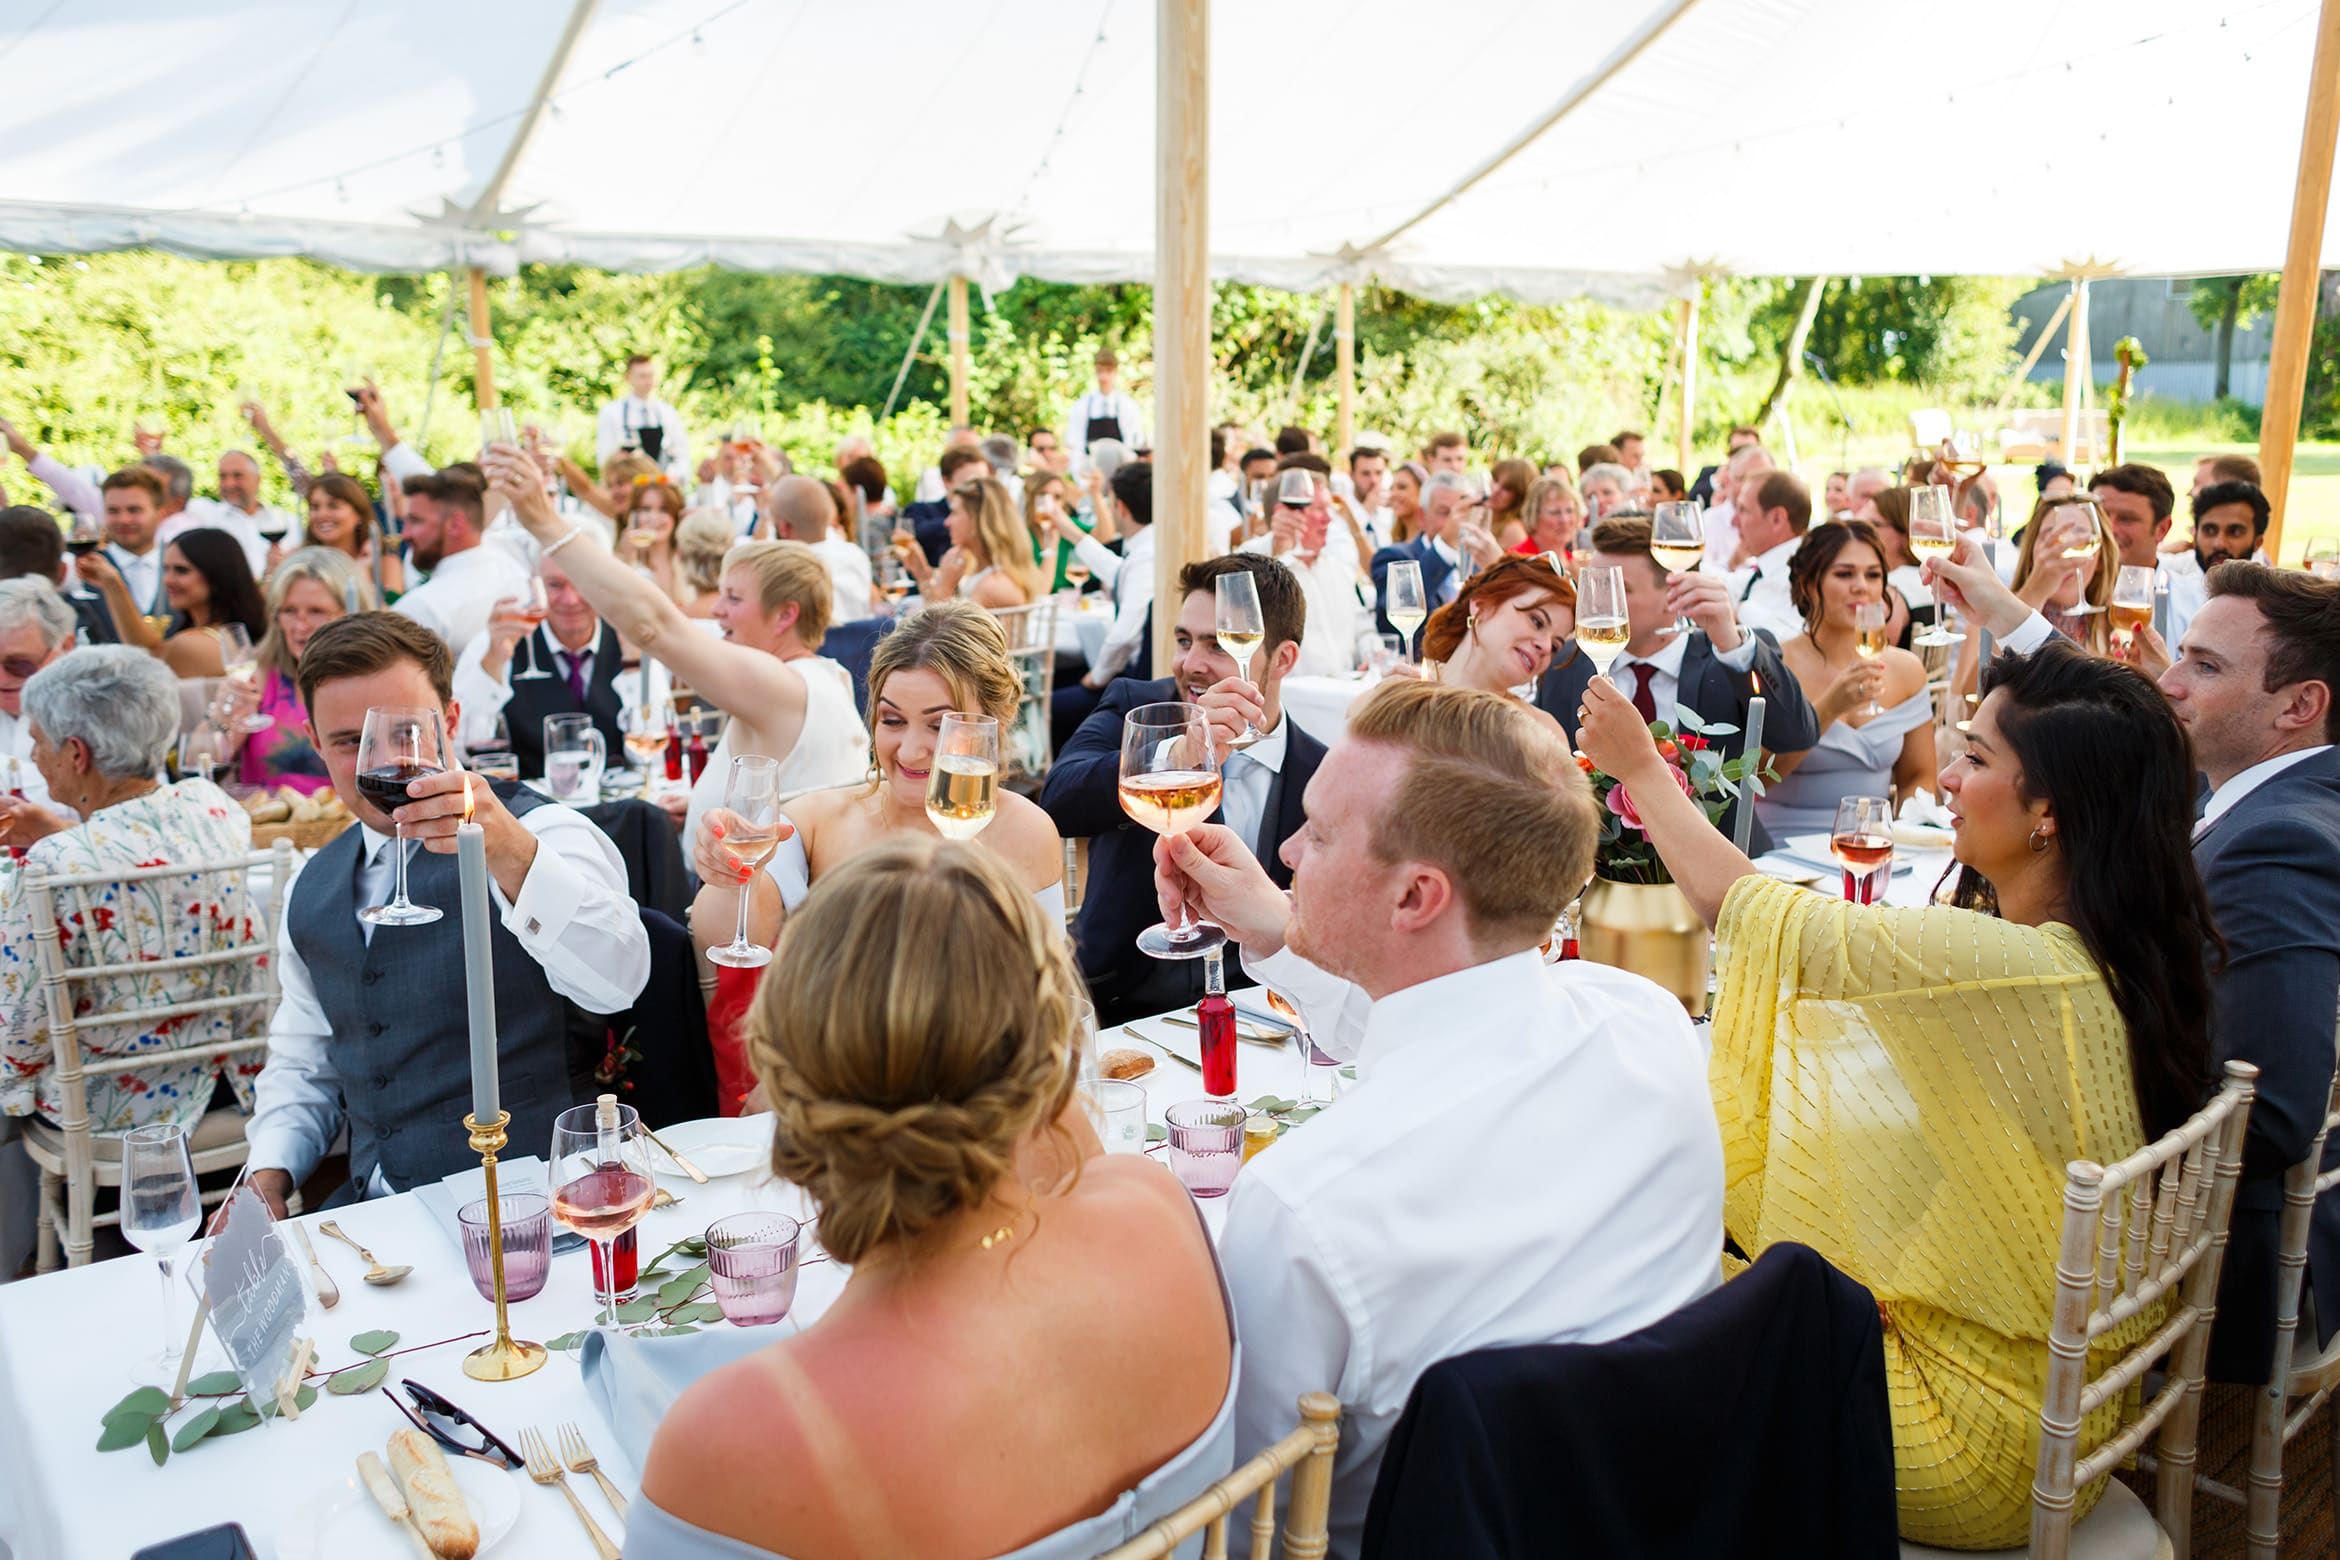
(1033, 1355)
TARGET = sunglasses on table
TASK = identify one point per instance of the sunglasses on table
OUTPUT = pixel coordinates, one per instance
(451, 1427)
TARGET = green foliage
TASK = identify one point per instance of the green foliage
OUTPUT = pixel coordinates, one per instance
(1944, 331)
(2251, 296)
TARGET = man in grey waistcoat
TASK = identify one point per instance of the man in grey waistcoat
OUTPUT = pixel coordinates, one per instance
(373, 1029)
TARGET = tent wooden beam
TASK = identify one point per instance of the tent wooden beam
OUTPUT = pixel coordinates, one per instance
(1686, 357)
(2047, 333)
(2076, 370)
(1345, 368)
(2295, 306)
(1182, 302)
(956, 325)
(483, 366)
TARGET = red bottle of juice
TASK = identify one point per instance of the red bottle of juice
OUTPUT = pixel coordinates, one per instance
(1214, 1018)
(697, 764)
(629, 1261)
(674, 747)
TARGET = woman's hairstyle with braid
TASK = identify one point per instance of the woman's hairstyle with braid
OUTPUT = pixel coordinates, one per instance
(919, 1020)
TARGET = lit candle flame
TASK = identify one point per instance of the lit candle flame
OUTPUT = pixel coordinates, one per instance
(467, 796)
(1756, 682)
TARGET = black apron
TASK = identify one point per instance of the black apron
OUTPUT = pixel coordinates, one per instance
(1102, 427)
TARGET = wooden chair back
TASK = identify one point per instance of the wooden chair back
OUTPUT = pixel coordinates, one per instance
(2136, 1233)
(242, 970)
(1026, 746)
(1309, 1448)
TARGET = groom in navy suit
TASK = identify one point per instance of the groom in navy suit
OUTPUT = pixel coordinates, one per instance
(2257, 687)
(1262, 784)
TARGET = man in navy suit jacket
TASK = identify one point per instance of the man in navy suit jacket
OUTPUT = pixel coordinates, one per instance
(1445, 507)
(1711, 671)
(1263, 784)
(2256, 687)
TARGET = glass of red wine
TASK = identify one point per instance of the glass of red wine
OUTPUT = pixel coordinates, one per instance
(600, 1176)
(1862, 843)
(399, 746)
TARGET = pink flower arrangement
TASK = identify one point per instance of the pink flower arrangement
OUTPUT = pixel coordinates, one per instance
(1621, 803)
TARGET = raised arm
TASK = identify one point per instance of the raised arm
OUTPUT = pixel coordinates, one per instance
(763, 691)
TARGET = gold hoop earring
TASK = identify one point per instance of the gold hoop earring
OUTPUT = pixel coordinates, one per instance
(2038, 845)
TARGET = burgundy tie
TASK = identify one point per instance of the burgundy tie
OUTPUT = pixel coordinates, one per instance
(1643, 699)
(576, 676)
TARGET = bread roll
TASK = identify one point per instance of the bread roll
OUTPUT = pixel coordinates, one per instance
(271, 811)
(432, 1498)
(1125, 1062)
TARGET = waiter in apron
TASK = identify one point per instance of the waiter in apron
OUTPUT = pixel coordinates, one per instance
(1105, 412)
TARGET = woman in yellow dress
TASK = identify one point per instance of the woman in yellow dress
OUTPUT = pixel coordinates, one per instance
(1900, 1089)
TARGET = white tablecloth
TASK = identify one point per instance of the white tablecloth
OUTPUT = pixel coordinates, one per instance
(1321, 704)
(1081, 630)
(66, 1340)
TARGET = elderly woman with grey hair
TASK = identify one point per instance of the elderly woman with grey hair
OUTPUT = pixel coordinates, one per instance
(102, 719)
(36, 626)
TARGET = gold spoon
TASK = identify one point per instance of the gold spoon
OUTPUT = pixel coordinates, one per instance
(375, 1272)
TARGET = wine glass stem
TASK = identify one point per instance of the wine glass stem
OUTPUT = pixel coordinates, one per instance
(170, 1340)
(531, 641)
(608, 1292)
(398, 855)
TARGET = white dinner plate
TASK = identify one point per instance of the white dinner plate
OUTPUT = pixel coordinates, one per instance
(718, 1145)
(1922, 836)
(341, 1521)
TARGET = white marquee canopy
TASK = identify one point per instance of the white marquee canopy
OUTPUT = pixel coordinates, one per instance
(907, 140)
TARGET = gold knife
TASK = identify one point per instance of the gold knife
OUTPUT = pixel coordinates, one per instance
(328, 1292)
(689, 1169)
(1243, 1031)
(387, 1495)
(1159, 1046)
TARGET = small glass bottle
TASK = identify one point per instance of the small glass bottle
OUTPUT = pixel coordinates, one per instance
(674, 755)
(1214, 1019)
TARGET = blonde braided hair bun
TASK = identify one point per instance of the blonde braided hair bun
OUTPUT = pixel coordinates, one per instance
(917, 1022)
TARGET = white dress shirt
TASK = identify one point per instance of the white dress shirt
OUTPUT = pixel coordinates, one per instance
(619, 422)
(483, 697)
(206, 514)
(1665, 678)
(1529, 1156)
(1452, 587)
(849, 578)
(405, 462)
(1336, 616)
(461, 595)
(1721, 520)
(1761, 590)
(575, 916)
(2241, 785)
(1133, 597)
(1118, 406)
(2189, 589)
(143, 576)
(16, 744)
(1246, 778)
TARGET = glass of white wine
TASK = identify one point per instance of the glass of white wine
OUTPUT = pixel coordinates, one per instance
(1170, 782)
(2079, 532)
(752, 791)
(1933, 533)
(1602, 625)
(1241, 631)
(1869, 640)
(241, 664)
(645, 732)
(962, 782)
(2132, 605)
(1677, 539)
(1402, 601)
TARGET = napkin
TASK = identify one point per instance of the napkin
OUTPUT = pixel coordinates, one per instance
(1921, 808)
(442, 1198)
(634, 1380)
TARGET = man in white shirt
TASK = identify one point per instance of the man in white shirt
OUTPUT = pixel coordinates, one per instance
(370, 1032)
(134, 497)
(1366, 498)
(638, 420)
(1322, 555)
(1529, 1154)
(1774, 511)
(2230, 521)
(581, 671)
(1128, 579)
(237, 511)
(446, 521)
(1105, 412)
(74, 491)
(1725, 549)
(802, 510)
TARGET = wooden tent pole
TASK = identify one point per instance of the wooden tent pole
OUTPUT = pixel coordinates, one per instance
(1345, 368)
(2075, 370)
(2047, 333)
(957, 327)
(1686, 352)
(2295, 305)
(1182, 302)
(483, 367)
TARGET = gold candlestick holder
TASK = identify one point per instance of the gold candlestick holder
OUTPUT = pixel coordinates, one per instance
(506, 1359)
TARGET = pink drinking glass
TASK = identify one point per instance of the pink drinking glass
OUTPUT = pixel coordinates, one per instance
(1206, 1145)
(751, 1261)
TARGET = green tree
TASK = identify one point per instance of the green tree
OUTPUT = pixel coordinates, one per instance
(2220, 305)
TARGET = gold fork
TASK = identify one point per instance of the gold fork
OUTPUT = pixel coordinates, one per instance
(580, 1459)
(544, 1469)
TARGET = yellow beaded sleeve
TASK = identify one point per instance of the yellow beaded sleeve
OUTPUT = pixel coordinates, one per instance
(1900, 1089)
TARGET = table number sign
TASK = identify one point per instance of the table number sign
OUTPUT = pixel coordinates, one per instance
(259, 1300)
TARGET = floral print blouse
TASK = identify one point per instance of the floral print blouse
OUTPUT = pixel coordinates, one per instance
(157, 918)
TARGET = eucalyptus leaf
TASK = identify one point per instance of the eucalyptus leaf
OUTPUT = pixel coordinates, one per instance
(153, 1402)
(358, 1378)
(235, 1419)
(374, 1342)
(195, 1429)
(1305, 1113)
(123, 1430)
(568, 1340)
(1156, 1132)
(638, 1310)
(693, 1245)
(304, 1398)
(675, 1332)
(158, 1445)
(677, 1290)
(704, 1311)
(217, 1383)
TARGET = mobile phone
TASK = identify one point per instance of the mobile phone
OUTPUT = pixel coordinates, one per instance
(228, 1541)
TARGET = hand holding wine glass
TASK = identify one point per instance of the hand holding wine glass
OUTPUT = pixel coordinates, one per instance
(532, 606)
(1602, 624)
(1869, 642)
(1242, 629)
(1170, 782)
(1677, 540)
(1862, 843)
(2132, 606)
(752, 795)
(399, 746)
(1403, 602)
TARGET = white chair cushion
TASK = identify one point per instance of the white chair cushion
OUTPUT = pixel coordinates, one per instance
(2120, 1528)
(46, 1142)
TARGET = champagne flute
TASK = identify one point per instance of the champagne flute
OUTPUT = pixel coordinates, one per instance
(645, 734)
(600, 1176)
(1677, 539)
(962, 782)
(496, 427)
(2079, 533)
(1602, 624)
(241, 663)
(2132, 604)
(751, 790)
(399, 746)
(1241, 631)
(1869, 640)
(1933, 534)
(1170, 782)
(1403, 602)
(160, 1209)
(535, 606)
(1862, 843)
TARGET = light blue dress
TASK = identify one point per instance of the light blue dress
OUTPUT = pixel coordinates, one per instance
(1849, 761)
(636, 1385)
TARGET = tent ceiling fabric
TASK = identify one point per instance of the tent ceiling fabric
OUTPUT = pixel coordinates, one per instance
(904, 140)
